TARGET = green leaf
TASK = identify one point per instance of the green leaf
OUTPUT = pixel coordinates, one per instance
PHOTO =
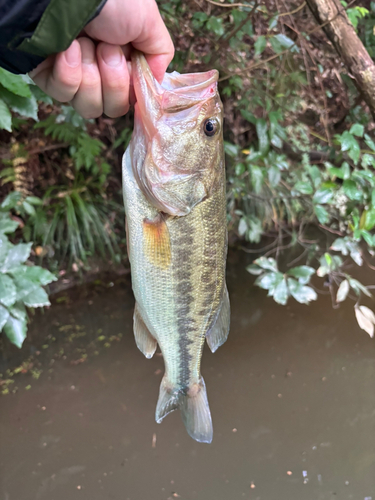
(18, 311)
(269, 281)
(34, 200)
(8, 226)
(370, 219)
(254, 270)
(281, 293)
(358, 287)
(11, 201)
(357, 129)
(367, 160)
(276, 141)
(341, 173)
(4, 315)
(321, 214)
(315, 175)
(349, 143)
(200, 16)
(339, 245)
(230, 149)
(369, 238)
(240, 168)
(255, 230)
(273, 22)
(215, 24)
(15, 330)
(8, 291)
(4, 247)
(323, 196)
(262, 132)
(302, 294)
(343, 291)
(40, 95)
(17, 255)
(274, 175)
(24, 106)
(256, 178)
(303, 273)
(29, 209)
(249, 116)
(260, 44)
(355, 252)
(351, 190)
(14, 83)
(35, 274)
(369, 142)
(276, 45)
(267, 263)
(37, 298)
(285, 42)
(242, 226)
(303, 187)
(24, 286)
(5, 117)
(345, 168)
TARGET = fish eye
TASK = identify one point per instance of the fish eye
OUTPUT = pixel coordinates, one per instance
(210, 127)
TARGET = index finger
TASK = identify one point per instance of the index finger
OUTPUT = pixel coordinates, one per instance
(155, 42)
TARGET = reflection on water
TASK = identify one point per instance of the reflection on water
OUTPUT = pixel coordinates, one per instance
(291, 393)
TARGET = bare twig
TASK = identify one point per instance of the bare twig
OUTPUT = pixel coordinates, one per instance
(275, 56)
(292, 11)
(228, 5)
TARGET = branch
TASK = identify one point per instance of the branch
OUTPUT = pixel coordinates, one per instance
(348, 45)
(228, 5)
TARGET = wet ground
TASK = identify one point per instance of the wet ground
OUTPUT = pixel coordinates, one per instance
(291, 393)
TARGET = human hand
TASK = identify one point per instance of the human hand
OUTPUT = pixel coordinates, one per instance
(95, 78)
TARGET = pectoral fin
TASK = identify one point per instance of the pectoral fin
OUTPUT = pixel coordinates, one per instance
(218, 333)
(146, 343)
(157, 244)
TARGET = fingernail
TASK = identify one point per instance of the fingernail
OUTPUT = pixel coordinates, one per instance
(72, 54)
(112, 55)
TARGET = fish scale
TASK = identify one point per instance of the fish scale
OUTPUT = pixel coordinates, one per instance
(174, 195)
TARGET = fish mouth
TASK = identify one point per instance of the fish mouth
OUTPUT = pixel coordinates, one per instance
(176, 92)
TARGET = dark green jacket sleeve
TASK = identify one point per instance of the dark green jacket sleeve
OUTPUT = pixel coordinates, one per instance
(31, 30)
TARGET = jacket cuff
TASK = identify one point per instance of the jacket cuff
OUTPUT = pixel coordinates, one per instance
(60, 24)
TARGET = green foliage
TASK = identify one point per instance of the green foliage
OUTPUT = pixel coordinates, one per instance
(70, 128)
(281, 286)
(21, 284)
(268, 189)
(74, 224)
(300, 151)
(16, 95)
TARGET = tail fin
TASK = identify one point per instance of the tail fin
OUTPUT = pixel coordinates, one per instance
(194, 407)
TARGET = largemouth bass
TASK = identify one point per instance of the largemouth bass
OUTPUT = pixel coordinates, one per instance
(174, 194)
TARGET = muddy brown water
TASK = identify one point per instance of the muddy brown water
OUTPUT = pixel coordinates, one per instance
(291, 394)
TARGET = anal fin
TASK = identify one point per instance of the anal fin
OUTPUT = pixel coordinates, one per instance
(219, 331)
(146, 343)
(194, 407)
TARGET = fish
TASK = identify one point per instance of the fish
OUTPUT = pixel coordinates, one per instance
(175, 206)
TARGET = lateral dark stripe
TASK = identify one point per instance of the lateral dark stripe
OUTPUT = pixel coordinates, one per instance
(184, 254)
